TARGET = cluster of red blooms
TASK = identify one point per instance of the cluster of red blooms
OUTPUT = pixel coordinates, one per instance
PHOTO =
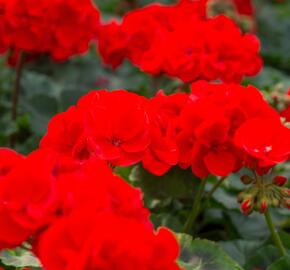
(180, 41)
(61, 28)
(78, 215)
(216, 129)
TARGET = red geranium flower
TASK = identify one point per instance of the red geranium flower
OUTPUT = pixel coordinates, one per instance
(58, 28)
(266, 140)
(66, 135)
(162, 152)
(97, 243)
(8, 160)
(28, 198)
(118, 125)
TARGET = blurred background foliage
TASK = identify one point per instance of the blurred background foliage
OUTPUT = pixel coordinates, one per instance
(48, 88)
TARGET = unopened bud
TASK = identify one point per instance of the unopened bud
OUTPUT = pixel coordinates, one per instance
(247, 206)
(280, 180)
(246, 179)
(286, 203)
(263, 205)
(275, 202)
(240, 197)
(286, 192)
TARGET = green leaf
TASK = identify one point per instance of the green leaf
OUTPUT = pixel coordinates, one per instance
(19, 258)
(199, 254)
(251, 227)
(41, 108)
(281, 264)
(176, 183)
(262, 258)
(240, 249)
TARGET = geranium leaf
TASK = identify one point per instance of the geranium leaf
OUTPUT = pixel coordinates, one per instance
(200, 254)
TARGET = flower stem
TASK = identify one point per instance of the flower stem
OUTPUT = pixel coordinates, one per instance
(214, 188)
(275, 236)
(196, 207)
(16, 90)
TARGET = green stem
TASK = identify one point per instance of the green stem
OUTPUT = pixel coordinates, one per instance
(275, 235)
(196, 207)
(16, 91)
(214, 188)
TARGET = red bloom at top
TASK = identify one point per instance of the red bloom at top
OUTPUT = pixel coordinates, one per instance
(61, 28)
(112, 44)
(118, 125)
(266, 140)
(155, 38)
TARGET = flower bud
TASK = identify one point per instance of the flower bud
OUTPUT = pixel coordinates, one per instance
(286, 203)
(275, 202)
(280, 180)
(263, 205)
(240, 197)
(246, 179)
(285, 192)
(247, 206)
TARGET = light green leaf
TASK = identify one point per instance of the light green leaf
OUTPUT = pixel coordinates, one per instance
(199, 254)
(19, 258)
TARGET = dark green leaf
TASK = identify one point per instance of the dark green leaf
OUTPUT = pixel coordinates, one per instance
(281, 264)
(176, 183)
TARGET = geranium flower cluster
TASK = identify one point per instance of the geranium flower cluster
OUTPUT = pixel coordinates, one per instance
(60, 28)
(180, 41)
(78, 215)
(216, 129)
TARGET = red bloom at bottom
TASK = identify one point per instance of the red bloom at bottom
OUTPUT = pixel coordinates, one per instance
(106, 241)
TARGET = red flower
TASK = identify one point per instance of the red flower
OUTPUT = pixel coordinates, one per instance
(162, 152)
(118, 125)
(92, 185)
(8, 160)
(65, 135)
(59, 28)
(28, 199)
(266, 140)
(209, 123)
(97, 243)
(112, 44)
(155, 39)
(286, 114)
